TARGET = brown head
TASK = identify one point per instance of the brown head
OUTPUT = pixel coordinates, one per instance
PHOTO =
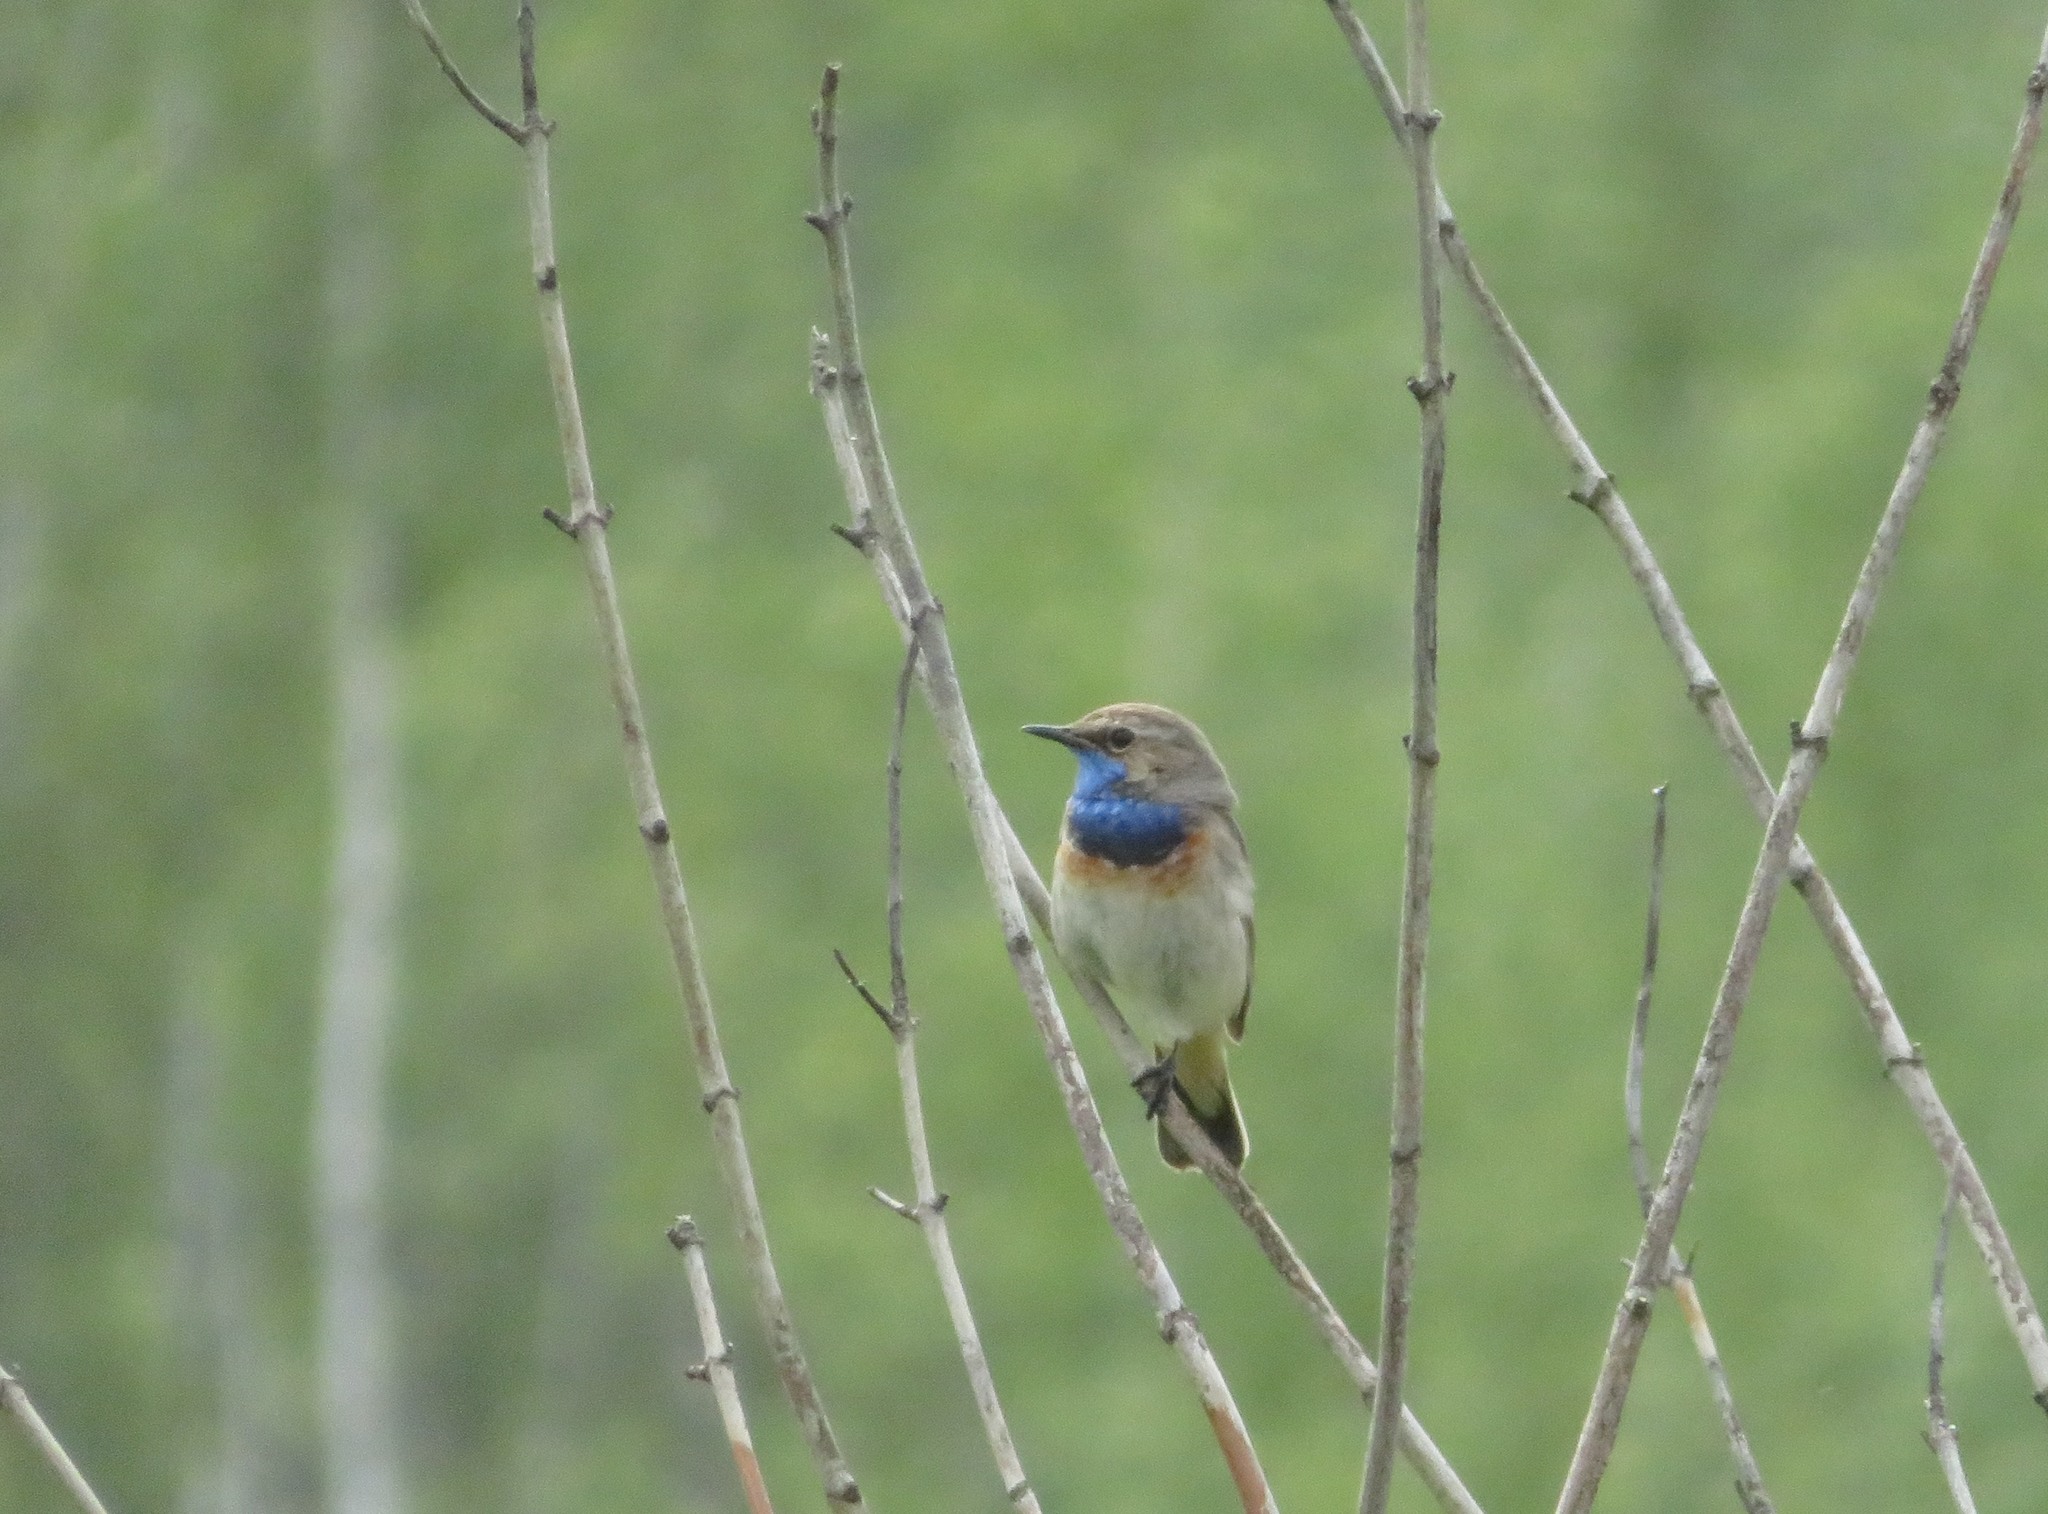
(1165, 757)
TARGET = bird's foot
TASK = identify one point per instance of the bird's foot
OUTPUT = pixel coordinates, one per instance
(1155, 1085)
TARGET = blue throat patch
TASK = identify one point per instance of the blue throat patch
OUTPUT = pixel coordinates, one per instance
(1118, 829)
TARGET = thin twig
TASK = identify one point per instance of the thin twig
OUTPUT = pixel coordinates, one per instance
(716, 1368)
(1404, 1153)
(416, 13)
(1595, 488)
(930, 1209)
(1632, 1091)
(14, 1401)
(881, 531)
(586, 523)
(1809, 750)
(1749, 1478)
(1941, 1434)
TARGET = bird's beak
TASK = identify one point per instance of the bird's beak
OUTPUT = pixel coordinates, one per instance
(1063, 734)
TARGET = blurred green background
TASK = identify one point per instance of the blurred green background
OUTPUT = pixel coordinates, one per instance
(1138, 298)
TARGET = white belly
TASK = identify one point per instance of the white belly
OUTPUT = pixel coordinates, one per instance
(1176, 964)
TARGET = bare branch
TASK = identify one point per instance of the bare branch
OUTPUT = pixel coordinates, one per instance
(586, 523)
(1594, 488)
(1404, 1155)
(1749, 1479)
(716, 1368)
(882, 1011)
(14, 1401)
(1941, 1434)
(947, 702)
(929, 1211)
(883, 536)
(1809, 750)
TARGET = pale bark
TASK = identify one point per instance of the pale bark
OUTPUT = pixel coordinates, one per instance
(357, 1371)
(1431, 388)
(226, 1470)
(17, 1406)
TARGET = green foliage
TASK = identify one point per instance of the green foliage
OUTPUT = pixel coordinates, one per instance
(1138, 294)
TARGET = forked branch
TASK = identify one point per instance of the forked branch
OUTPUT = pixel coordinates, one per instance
(1749, 1478)
(585, 523)
(929, 1210)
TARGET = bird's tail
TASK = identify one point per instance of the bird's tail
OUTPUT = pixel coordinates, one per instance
(1201, 1071)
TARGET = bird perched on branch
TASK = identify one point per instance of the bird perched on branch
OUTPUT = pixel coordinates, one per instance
(1152, 900)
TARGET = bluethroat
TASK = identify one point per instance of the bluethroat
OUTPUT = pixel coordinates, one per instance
(1152, 900)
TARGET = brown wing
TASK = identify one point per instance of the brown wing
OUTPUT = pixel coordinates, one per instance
(1251, 941)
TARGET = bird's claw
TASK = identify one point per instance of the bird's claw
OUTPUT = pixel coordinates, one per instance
(1155, 1085)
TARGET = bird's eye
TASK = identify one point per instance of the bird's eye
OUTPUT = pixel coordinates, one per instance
(1119, 738)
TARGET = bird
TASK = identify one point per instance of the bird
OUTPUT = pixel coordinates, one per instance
(1152, 901)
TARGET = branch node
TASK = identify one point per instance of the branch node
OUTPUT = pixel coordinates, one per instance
(1405, 1156)
(573, 524)
(860, 536)
(1425, 121)
(549, 279)
(683, 1234)
(1804, 742)
(1915, 1058)
(843, 1490)
(896, 1024)
(1428, 756)
(895, 1206)
(1174, 1321)
(719, 1095)
(655, 831)
(1426, 390)
(2037, 87)
(1595, 494)
(1015, 1491)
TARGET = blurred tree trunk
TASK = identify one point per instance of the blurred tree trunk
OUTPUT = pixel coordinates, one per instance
(230, 1471)
(359, 1413)
(20, 572)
